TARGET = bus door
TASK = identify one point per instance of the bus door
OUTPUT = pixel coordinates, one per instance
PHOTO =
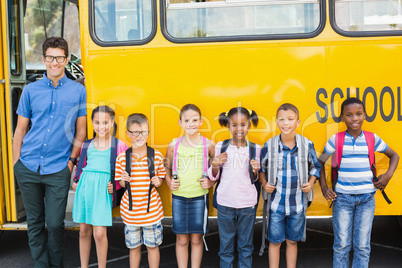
(13, 65)
(2, 121)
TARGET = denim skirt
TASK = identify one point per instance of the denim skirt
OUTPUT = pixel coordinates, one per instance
(188, 215)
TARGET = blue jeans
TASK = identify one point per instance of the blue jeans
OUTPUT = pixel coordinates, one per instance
(352, 219)
(232, 221)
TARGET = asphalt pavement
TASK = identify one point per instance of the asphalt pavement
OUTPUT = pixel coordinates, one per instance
(316, 252)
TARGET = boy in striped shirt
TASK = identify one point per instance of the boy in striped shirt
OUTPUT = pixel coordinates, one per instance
(353, 196)
(142, 224)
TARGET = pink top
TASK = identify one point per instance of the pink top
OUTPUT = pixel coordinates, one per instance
(235, 189)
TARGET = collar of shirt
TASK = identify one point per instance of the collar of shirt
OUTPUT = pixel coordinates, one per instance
(49, 82)
(358, 137)
(245, 147)
(284, 147)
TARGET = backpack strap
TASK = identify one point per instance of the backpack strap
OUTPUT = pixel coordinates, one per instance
(271, 164)
(151, 170)
(225, 145)
(127, 184)
(176, 148)
(303, 170)
(302, 153)
(113, 156)
(370, 139)
(251, 153)
(205, 176)
(337, 157)
(83, 157)
(205, 158)
(273, 150)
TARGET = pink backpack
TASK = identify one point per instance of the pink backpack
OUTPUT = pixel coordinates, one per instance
(337, 157)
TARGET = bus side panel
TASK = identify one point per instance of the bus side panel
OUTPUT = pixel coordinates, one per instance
(159, 81)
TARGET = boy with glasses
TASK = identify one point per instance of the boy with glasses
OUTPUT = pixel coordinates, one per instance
(141, 206)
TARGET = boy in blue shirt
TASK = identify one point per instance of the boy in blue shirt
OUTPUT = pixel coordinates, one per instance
(353, 196)
(288, 172)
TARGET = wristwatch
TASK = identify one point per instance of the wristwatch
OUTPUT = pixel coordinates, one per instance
(73, 160)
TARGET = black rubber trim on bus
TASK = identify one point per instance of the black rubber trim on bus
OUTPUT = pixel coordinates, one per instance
(19, 73)
(172, 39)
(357, 33)
(101, 43)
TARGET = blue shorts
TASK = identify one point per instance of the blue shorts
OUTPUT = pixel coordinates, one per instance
(150, 236)
(188, 215)
(283, 227)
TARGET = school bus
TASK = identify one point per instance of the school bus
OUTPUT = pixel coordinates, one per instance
(154, 56)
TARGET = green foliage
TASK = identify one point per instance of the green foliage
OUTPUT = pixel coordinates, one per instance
(42, 19)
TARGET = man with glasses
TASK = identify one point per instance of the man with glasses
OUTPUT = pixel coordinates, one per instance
(44, 154)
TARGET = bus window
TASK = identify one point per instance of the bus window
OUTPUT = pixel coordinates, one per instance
(43, 19)
(71, 30)
(15, 38)
(117, 21)
(367, 17)
(40, 21)
(239, 19)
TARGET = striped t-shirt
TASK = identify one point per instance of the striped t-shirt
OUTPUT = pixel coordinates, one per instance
(355, 175)
(139, 183)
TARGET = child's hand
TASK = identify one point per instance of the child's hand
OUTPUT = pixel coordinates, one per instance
(174, 184)
(254, 165)
(306, 188)
(110, 187)
(220, 159)
(269, 188)
(382, 181)
(328, 193)
(124, 178)
(156, 181)
(205, 183)
(74, 186)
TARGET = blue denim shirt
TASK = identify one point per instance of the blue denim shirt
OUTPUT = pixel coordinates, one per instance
(53, 112)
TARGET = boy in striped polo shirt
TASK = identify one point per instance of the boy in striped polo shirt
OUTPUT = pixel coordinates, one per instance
(143, 221)
(353, 196)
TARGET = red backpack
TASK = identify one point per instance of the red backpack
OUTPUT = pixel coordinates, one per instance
(337, 157)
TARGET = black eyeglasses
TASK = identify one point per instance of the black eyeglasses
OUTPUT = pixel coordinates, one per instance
(59, 59)
(144, 133)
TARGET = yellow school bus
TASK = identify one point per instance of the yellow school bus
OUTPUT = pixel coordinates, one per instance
(154, 56)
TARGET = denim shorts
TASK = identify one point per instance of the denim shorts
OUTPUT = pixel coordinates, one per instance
(188, 215)
(283, 227)
(150, 236)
